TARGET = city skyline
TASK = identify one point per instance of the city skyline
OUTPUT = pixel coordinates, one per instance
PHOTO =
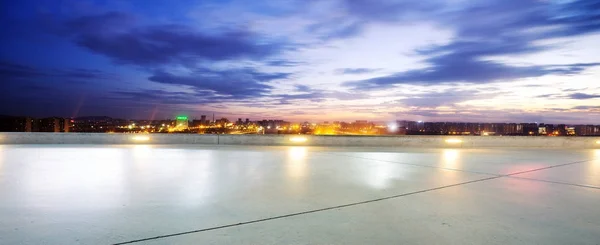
(215, 125)
(216, 117)
(342, 60)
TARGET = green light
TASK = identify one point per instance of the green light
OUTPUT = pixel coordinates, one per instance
(181, 118)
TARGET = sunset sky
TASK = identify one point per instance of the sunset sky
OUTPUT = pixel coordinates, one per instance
(450, 60)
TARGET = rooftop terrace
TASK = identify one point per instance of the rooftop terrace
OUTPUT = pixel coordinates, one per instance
(215, 194)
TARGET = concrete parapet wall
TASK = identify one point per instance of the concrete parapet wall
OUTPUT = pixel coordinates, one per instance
(412, 141)
(99, 138)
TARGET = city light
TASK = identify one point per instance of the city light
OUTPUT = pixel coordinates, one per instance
(454, 141)
(140, 138)
(298, 139)
(358, 127)
(392, 127)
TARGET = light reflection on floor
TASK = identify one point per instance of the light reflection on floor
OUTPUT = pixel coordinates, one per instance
(110, 194)
(297, 165)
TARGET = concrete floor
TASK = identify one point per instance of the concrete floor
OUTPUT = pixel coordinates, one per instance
(192, 194)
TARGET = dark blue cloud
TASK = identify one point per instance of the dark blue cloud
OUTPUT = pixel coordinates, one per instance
(116, 36)
(580, 16)
(379, 10)
(283, 63)
(355, 70)
(9, 72)
(461, 68)
(583, 96)
(302, 88)
(238, 84)
(162, 97)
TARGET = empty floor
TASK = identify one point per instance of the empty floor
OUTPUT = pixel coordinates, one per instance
(194, 194)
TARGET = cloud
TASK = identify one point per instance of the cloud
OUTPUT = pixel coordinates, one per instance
(445, 98)
(590, 108)
(355, 70)
(575, 89)
(583, 96)
(546, 95)
(353, 16)
(308, 94)
(284, 63)
(157, 96)
(389, 10)
(10, 71)
(302, 88)
(458, 68)
(337, 28)
(238, 84)
(498, 31)
(117, 36)
(581, 17)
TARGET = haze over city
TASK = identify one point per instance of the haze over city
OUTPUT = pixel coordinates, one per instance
(464, 61)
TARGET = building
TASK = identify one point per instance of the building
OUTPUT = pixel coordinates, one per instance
(51, 124)
(587, 130)
(181, 123)
(542, 130)
(16, 124)
(408, 127)
(223, 122)
(530, 129)
(197, 123)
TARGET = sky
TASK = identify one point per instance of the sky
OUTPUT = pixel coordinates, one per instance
(299, 60)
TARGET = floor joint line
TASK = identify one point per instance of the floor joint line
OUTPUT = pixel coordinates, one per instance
(494, 176)
(307, 212)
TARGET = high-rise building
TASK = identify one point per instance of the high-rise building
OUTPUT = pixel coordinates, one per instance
(65, 125)
(530, 129)
(51, 124)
